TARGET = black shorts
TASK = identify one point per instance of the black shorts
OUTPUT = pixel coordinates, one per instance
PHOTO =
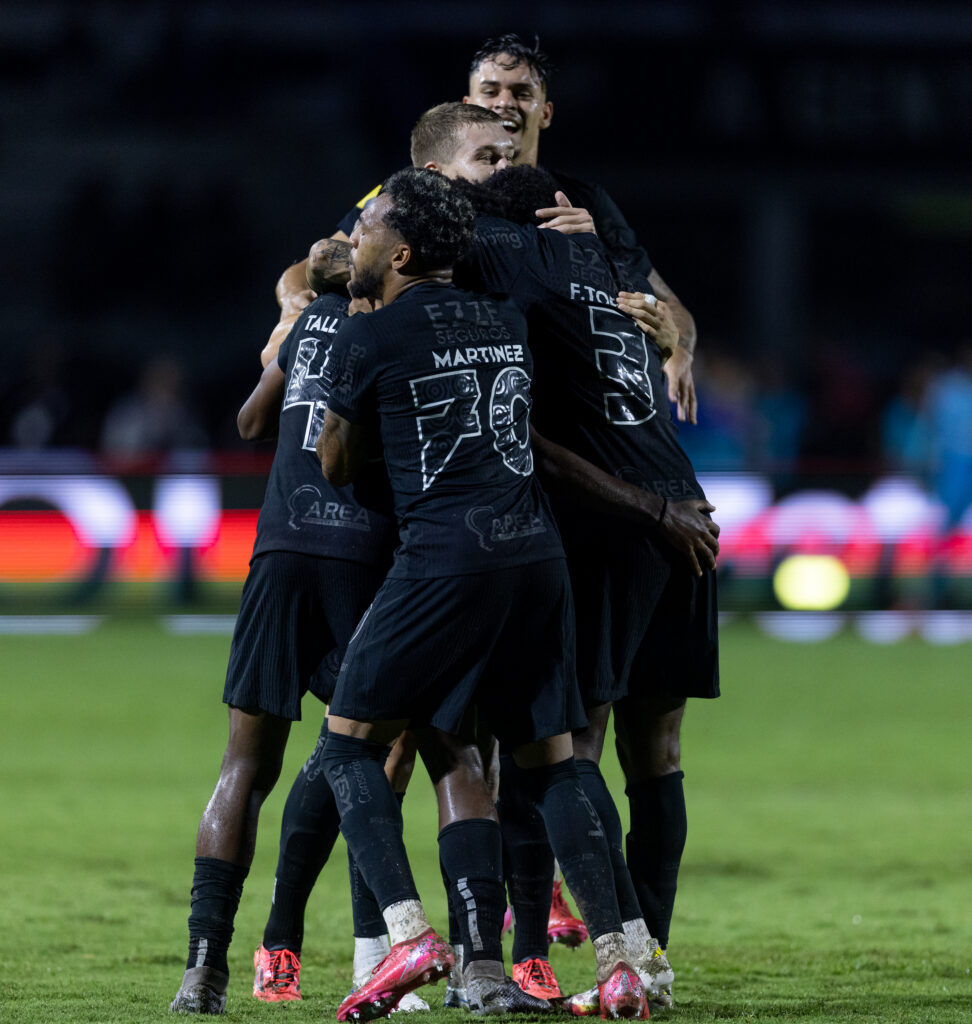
(296, 615)
(502, 642)
(645, 624)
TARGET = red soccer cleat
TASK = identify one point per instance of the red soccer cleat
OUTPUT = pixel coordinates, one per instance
(536, 978)
(623, 995)
(562, 926)
(276, 977)
(414, 962)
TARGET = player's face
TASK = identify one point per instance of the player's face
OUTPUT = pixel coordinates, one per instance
(518, 98)
(372, 242)
(483, 150)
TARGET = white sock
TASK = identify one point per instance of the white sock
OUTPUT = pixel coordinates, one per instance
(609, 949)
(368, 954)
(637, 936)
(406, 920)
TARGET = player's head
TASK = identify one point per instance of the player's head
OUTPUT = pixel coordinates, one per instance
(515, 194)
(418, 224)
(511, 79)
(461, 141)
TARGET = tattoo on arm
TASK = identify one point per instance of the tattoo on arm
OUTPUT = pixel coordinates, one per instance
(327, 265)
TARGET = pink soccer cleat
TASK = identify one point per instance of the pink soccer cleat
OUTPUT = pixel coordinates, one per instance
(276, 977)
(623, 995)
(562, 926)
(414, 962)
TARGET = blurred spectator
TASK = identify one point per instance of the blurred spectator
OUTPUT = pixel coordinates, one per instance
(156, 418)
(949, 410)
(780, 419)
(905, 424)
(723, 437)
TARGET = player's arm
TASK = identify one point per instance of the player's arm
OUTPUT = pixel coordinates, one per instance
(327, 265)
(678, 369)
(685, 525)
(339, 449)
(260, 415)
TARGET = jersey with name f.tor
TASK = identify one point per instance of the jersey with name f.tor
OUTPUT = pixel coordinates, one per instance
(301, 511)
(447, 372)
(598, 386)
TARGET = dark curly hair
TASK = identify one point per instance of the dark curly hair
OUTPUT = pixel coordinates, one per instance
(513, 46)
(435, 219)
(513, 194)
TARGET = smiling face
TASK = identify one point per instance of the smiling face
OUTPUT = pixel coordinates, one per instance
(514, 93)
(482, 150)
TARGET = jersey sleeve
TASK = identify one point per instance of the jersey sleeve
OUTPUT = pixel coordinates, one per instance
(347, 222)
(353, 367)
(283, 353)
(617, 234)
(498, 262)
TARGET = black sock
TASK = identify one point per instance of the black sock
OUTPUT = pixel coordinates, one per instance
(471, 853)
(578, 842)
(600, 797)
(216, 889)
(368, 921)
(455, 932)
(655, 845)
(371, 820)
(307, 835)
(528, 863)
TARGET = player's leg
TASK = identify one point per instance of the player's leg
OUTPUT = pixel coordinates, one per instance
(224, 851)
(371, 822)
(549, 775)
(471, 856)
(649, 749)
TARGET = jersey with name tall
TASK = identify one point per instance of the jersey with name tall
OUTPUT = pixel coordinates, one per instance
(447, 374)
(598, 387)
(614, 231)
(301, 511)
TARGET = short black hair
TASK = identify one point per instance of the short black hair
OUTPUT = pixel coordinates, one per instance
(436, 135)
(435, 219)
(515, 194)
(511, 44)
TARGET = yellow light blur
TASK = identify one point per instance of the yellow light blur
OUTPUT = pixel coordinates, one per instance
(812, 583)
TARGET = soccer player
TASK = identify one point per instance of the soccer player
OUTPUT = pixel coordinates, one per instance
(474, 614)
(646, 604)
(512, 79)
(645, 448)
(318, 559)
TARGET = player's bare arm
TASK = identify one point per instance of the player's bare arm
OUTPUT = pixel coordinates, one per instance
(260, 415)
(678, 369)
(327, 265)
(567, 219)
(339, 449)
(685, 525)
(653, 317)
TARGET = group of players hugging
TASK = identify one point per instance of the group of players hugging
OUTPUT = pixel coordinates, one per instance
(411, 571)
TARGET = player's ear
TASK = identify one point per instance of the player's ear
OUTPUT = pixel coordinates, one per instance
(401, 256)
(432, 166)
(547, 114)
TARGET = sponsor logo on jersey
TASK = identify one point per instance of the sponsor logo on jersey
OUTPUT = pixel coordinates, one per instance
(308, 508)
(492, 529)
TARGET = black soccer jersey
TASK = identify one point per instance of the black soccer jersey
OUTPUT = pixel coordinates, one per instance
(447, 374)
(302, 512)
(598, 386)
(613, 230)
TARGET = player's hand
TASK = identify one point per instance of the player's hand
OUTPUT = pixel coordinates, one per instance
(687, 527)
(653, 317)
(681, 385)
(567, 219)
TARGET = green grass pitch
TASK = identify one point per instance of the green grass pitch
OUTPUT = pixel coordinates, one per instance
(827, 877)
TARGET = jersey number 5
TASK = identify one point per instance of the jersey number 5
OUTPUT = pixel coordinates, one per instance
(625, 364)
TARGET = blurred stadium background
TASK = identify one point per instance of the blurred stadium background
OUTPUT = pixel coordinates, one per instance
(799, 173)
